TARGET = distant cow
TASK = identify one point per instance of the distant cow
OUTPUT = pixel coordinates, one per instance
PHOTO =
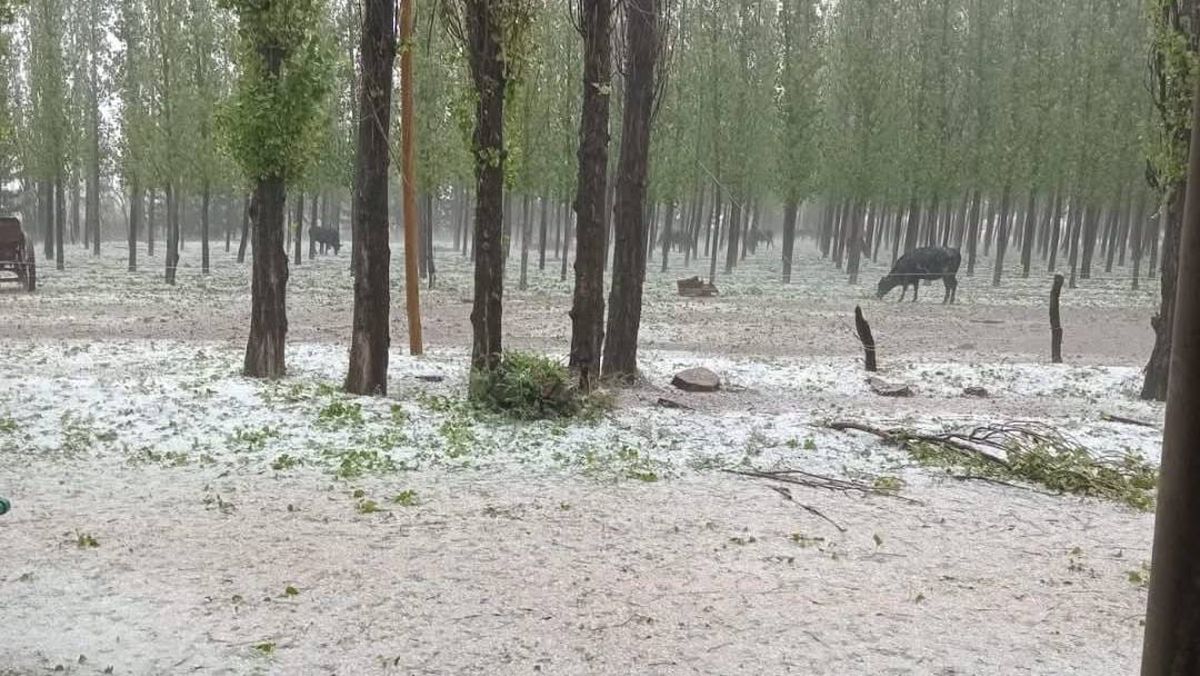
(930, 263)
(328, 238)
(756, 237)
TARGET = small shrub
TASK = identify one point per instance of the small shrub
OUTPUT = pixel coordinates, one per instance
(284, 461)
(367, 507)
(86, 541)
(340, 413)
(406, 498)
(527, 387)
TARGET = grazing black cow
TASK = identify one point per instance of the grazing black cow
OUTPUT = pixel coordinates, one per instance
(931, 262)
(328, 238)
(756, 237)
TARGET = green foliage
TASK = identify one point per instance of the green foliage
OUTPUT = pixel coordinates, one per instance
(340, 413)
(272, 123)
(1128, 479)
(527, 387)
(86, 540)
(406, 498)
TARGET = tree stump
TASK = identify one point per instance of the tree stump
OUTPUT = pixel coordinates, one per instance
(868, 341)
(1056, 331)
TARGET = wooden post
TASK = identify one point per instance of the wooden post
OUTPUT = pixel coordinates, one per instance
(412, 284)
(1056, 331)
(864, 334)
(1173, 613)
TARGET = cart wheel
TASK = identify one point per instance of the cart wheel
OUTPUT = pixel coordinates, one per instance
(30, 271)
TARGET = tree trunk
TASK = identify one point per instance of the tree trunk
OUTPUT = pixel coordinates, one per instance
(914, 222)
(427, 241)
(268, 312)
(789, 237)
(46, 201)
(543, 227)
(136, 204)
(1001, 236)
(75, 217)
(488, 73)
(151, 225)
(566, 244)
(1091, 227)
(205, 197)
(715, 229)
(1172, 620)
(1028, 235)
(854, 241)
(1075, 226)
(1137, 237)
(245, 239)
(1154, 386)
(732, 230)
(1055, 219)
(171, 260)
(668, 231)
(629, 246)
(587, 311)
(526, 231)
(298, 230)
(371, 253)
(60, 221)
(973, 233)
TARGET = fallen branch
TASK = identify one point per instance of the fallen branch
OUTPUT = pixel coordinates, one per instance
(1108, 417)
(787, 495)
(671, 403)
(809, 480)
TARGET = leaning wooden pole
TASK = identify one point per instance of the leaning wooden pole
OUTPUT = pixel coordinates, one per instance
(1173, 613)
(868, 341)
(1056, 330)
(412, 284)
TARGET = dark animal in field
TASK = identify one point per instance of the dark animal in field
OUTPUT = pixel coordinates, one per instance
(756, 237)
(928, 263)
(327, 238)
(679, 240)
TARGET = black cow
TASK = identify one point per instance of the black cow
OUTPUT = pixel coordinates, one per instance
(328, 238)
(930, 263)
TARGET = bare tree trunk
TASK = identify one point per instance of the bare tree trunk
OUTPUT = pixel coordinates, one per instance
(245, 239)
(566, 243)
(171, 260)
(543, 228)
(1138, 238)
(1001, 236)
(1028, 235)
(151, 225)
(371, 253)
(136, 205)
(46, 202)
(526, 231)
(715, 231)
(268, 312)
(205, 197)
(629, 247)
(668, 232)
(298, 230)
(60, 220)
(732, 230)
(587, 311)
(75, 217)
(1154, 386)
(488, 73)
(1075, 226)
(854, 241)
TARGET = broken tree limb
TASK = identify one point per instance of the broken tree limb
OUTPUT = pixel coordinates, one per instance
(900, 437)
(1056, 331)
(1108, 417)
(787, 495)
(864, 335)
(810, 480)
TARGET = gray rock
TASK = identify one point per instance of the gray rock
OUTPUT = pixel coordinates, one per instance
(885, 389)
(976, 391)
(697, 379)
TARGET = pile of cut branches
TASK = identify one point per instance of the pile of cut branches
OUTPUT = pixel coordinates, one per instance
(1029, 452)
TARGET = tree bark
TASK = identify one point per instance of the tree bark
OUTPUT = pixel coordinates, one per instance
(973, 233)
(1056, 331)
(543, 230)
(137, 200)
(854, 241)
(789, 237)
(488, 73)
(526, 231)
(865, 337)
(587, 311)
(629, 216)
(46, 202)
(1172, 620)
(1001, 236)
(1028, 234)
(150, 222)
(371, 253)
(171, 260)
(1154, 385)
(205, 197)
(60, 220)
(298, 230)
